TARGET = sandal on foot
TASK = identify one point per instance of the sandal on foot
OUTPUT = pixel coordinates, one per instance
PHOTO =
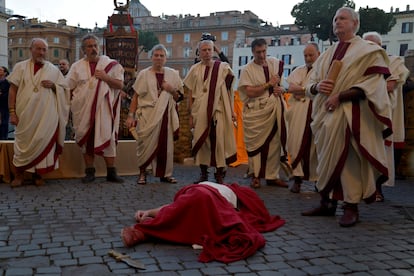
(255, 183)
(142, 179)
(168, 179)
(379, 197)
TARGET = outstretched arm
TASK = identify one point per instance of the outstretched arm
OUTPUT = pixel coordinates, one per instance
(142, 215)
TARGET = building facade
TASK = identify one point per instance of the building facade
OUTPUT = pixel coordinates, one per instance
(285, 43)
(180, 34)
(64, 41)
(400, 38)
(4, 15)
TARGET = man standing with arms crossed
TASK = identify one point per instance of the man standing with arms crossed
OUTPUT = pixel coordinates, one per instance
(263, 115)
(96, 81)
(351, 117)
(39, 108)
(300, 144)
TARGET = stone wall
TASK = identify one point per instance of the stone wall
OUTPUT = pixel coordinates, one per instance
(182, 147)
(407, 160)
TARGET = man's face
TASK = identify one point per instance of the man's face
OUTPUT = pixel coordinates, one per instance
(63, 66)
(206, 51)
(260, 53)
(159, 58)
(91, 49)
(343, 24)
(310, 54)
(39, 51)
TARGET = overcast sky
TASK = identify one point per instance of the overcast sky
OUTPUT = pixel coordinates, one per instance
(88, 12)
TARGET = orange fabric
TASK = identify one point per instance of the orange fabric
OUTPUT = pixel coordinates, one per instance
(238, 132)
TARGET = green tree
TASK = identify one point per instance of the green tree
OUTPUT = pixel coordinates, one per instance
(374, 19)
(146, 40)
(317, 15)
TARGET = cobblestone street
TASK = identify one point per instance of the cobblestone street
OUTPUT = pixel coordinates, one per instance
(67, 228)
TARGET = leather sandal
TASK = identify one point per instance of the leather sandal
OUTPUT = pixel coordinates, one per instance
(168, 179)
(142, 179)
(255, 183)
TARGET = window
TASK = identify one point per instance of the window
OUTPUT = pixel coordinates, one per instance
(224, 36)
(407, 27)
(56, 40)
(20, 53)
(243, 60)
(287, 59)
(286, 72)
(185, 71)
(168, 38)
(187, 37)
(56, 53)
(403, 49)
(225, 50)
(186, 52)
(169, 52)
(20, 40)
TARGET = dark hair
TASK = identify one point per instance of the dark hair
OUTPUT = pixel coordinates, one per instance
(258, 42)
(208, 36)
(6, 71)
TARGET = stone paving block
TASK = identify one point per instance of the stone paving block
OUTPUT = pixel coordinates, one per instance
(90, 260)
(56, 250)
(213, 271)
(398, 264)
(82, 254)
(355, 267)
(292, 272)
(166, 266)
(49, 270)
(314, 270)
(19, 271)
(337, 269)
(31, 253)
(65, 262)
(190, 272)
(236, 269)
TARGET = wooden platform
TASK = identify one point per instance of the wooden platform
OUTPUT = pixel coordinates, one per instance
(71, 163)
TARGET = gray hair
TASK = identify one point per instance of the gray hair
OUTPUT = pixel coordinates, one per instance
(354, 15)
(159, 47)
(36, 39)
(314, 44)
(87, 37)
(202, 42)
(373, 36)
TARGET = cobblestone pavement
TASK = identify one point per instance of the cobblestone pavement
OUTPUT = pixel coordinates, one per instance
(67, 228)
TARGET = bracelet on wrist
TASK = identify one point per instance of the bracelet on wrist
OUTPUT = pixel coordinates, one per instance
(12, 110)
(131, 114)
(266, 86)
(313, 89)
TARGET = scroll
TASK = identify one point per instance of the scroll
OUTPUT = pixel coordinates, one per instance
(334, 70)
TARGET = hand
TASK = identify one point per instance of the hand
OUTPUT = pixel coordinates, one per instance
(101, 75)
(130, 122)
(48, 84)
(332, 102)
(142, 215)
(274, 80)
(278, 90)
(14, 120)
(167, 87)
(325, 87)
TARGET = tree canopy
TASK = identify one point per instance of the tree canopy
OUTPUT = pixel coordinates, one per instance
(374, 19)
(317, 15)
(146, 40)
